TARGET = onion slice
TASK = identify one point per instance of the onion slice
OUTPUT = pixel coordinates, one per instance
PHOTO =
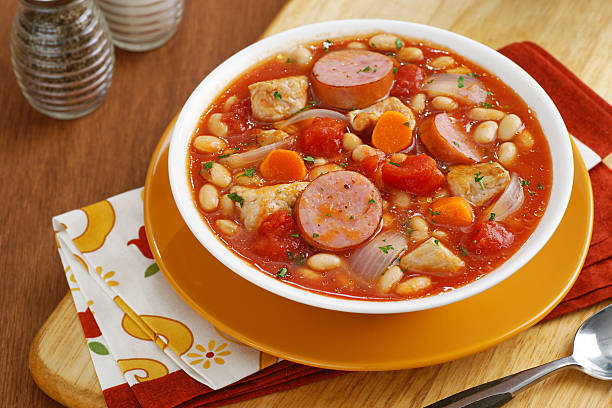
(311, 114)
(471, 90)
(510, 201)
(369, 261)
(251, 157)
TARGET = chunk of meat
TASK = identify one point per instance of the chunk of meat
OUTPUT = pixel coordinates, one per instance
(408, 81)
(278, 99)
(447, 142)
(365, 119)
(258, 203)
(477, 183)
(491, 236)
(323, 137)
(417, 175)
(339, 210)
(352, 78)
(432, 257)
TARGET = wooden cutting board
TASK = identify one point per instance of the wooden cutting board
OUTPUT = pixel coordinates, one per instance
(580, 35)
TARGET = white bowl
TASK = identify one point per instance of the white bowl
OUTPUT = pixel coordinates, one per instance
(510, 73)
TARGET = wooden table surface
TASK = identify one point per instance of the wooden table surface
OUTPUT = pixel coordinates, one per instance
(70, 164)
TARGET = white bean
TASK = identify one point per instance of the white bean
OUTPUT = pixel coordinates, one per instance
(389, 278)
(485, 114)
(418, 236)
(508, 127)
(413, 285)
(319, 161)
(439, 234)
(363, 151)
(229, 102)
(350, 141)
(266, 137)
(524, 140)
(507, 153)
(301, 56)
(324, 169)
(417, 223)
(209, 144)
(208, 197)
(216, 126)
(356, 45)
(388, 220)
(459, 70)
(308, 274)
(418, 102)
(398, 157)
(385, 42)
(400, 199)
(218, 175)
(444, 103)
(241, 179)
(485, 132)
(227, 206)
(409, 54)
(442, 62)
(228, 227)
(323, 262)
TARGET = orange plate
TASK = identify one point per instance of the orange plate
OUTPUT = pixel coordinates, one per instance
(348, 341)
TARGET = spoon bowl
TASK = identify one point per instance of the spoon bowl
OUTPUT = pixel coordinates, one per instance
(593, 345)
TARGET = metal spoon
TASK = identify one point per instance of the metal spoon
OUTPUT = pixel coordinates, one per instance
(592, 355)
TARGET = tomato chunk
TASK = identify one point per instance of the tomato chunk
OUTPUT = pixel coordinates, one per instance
(323, 137)
(408, 81)
(491, 236)
(369, 165)
(237, 118)
(417, 174)
(275, 236)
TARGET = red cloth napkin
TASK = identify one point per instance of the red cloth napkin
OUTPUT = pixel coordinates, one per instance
(579, 106)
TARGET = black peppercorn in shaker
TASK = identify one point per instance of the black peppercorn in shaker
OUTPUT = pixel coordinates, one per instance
(62, 56)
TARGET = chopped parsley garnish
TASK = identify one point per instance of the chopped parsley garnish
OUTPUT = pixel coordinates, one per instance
(524, 182)
(436, 242)
(248, 173)
(462, 251)
(235, 197)
(281, 273)
(406, 124)
(398, 43)
(506, 106)
(225, 155)
(366, 69)
(371, 201)
(473, 74)
(489, 93)
(277, 95)
(310, 105)
(460, 82)
(326, 45)
(309, 159)
(540, 186)
(386, 248)
(343, 164)
(456, 144)
(328, 215)
(237, 149)
(288, 61)
(394, 163)
(207, 166)
(531, 193)
(430, 81)
(351, 218)
(486, 105)
(314, 235)
(492, 217)
(409, 229)
(432, 212)
(374, 70)
(395, 70)
(478, 178)
(295, 235)
(296, 260)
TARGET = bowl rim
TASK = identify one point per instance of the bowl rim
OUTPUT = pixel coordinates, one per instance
(510, 73)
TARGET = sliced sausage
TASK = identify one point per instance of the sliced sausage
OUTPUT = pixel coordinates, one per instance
(339, 210)
(447, 142)
(351, 79)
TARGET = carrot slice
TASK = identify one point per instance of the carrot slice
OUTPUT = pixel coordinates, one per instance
(392, 132)
(283, 165)
(451, 211)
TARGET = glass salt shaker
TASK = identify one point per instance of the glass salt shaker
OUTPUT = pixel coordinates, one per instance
(141, 25)
(62, 56)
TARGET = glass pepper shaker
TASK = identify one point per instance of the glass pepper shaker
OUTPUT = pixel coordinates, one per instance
(62, 56)
(141, 25)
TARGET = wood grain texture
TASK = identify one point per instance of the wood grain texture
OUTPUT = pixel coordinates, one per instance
(50, 166)
(87, 152)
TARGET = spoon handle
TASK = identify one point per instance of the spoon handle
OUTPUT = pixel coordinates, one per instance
(498, 392)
